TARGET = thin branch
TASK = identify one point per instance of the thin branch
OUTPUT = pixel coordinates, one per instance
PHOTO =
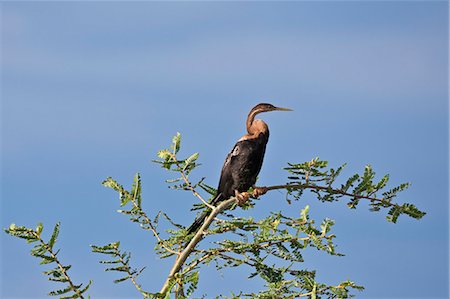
(196, 262)
(248, 261)
(194, 241)
(130, 274)
(329, 189)
(60, 266)
(188, 183)
(153, 229)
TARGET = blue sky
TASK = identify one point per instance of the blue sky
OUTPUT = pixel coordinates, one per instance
(94, 89)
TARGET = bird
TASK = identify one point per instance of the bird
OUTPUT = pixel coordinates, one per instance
(243, 163)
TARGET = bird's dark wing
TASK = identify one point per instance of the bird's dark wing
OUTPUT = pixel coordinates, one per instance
(242, 166)
(239, 172)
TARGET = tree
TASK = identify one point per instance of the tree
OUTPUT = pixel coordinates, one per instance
(271, 247)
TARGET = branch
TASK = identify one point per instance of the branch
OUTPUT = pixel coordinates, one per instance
(136, 213)
(61, 268)
(188, 183)
(45, 251)
(179, 262)
(328, 189)
(123, 259)
(132, 276)
(306, 175)
(153, 229)
(386, 202)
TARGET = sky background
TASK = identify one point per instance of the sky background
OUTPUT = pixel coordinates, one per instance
(95, 89)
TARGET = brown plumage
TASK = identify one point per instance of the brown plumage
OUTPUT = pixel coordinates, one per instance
(243, 163)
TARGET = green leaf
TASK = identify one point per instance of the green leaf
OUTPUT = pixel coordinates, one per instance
(83, 290)
(46, 259)
(54, 236)
(350, 182)
(366, 181)
(39, 228)
(122, 279)
(325, 226)
(106, 249)
(176, 140)
(412, 211)
(389, 195)
(393, 214)
(207, 188)
(110, 183)
(192, 281)
(304, 213)
(382, 183)
(61, 291)
(189, 161)
(136, 191)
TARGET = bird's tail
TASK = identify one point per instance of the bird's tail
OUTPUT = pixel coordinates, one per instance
(199, 220)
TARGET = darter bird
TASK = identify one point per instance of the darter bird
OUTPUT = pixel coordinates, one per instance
(243, 163)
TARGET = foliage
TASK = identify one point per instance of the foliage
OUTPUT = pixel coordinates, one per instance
(120, 262)
(47, 254)
(271, 248)
(310, 174)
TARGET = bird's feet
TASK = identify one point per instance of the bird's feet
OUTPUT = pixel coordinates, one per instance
(258, 191)
(241, 197)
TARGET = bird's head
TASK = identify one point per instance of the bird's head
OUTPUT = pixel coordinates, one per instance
(257, 125)
(265, 107)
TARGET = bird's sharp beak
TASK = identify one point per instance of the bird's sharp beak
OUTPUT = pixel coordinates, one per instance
(283, 109)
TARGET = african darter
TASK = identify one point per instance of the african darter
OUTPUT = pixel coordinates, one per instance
(243, 163)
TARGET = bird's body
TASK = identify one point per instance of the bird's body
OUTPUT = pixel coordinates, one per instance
(242, 165)
(244, 162)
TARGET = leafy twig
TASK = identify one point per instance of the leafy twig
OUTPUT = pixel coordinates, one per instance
(122, 259)
(136, 213)
(45, 251)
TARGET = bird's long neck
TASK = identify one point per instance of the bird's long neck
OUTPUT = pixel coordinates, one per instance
(256, 126)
